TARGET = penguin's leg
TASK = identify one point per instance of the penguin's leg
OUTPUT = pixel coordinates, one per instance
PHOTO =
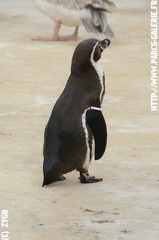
(84, 175)
(56, 37)
(74, 36)
(89, 153)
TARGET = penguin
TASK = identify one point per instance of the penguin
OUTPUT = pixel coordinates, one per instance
(76, 131)
(91, 13)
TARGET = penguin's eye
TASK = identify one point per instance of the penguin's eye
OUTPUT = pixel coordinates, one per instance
(101, 47)
(97, 53)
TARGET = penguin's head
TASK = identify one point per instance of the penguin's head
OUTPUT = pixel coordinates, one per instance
(99, 48)
(87, 51)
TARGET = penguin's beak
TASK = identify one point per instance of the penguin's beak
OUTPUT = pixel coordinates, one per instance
(104, 44)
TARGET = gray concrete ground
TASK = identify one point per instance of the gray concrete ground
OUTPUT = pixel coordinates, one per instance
(125, 206)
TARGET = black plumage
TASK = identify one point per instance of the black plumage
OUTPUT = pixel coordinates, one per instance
(73, 126)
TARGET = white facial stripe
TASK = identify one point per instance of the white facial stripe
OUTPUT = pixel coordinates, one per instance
(98, 69)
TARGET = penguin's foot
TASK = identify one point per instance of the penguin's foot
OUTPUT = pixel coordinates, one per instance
(56, 38)
(85, 178)
(45, 39)
(61, 178)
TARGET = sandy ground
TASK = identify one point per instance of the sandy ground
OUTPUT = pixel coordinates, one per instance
(125, 206)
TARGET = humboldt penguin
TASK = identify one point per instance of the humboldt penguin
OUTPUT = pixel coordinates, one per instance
(91, 13)
(76, 131)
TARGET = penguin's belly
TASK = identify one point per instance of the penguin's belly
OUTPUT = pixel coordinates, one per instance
(72, 152)
(57, 12)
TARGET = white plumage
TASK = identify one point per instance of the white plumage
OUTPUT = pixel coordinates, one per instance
(90, 13)
(99, 71)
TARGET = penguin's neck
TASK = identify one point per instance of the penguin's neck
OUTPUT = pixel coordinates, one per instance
(100, 73)
(98, 69)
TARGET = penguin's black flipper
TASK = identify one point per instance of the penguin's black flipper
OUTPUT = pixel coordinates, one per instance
(96, 122)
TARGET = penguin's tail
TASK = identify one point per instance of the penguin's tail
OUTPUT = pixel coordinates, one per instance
(51, 170)
(98, 22)
(48, 179)
(52, 175)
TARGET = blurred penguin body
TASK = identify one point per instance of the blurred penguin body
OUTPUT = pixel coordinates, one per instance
(90, 13)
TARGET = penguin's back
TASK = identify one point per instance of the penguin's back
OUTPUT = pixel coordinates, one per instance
(64, 141)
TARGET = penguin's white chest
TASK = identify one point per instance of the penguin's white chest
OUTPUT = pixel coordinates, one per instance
(58, 12)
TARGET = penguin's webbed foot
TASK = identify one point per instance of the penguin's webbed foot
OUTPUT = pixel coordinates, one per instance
(85, 178)
(61, 178)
